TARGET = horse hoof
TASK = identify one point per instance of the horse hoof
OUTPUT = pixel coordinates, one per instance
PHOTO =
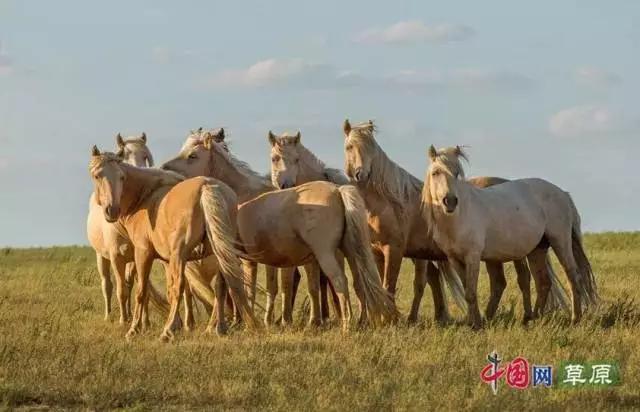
(131, 334)
(221, 330)
(166, 336)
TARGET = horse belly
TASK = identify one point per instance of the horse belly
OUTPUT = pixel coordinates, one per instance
(514, 235)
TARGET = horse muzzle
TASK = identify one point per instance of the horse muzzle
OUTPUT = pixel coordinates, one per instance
(111, 213)
(450, 203)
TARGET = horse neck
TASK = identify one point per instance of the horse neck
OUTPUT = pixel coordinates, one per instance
(245, 183)
(138, 185)
(385, 183)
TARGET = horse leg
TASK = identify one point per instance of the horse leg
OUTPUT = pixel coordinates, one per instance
(272, 291)
(562, 247)
(313, 285)
(357, 287)
(129, 277)
(419, 283)
(188, 309)
(144, 260)
(105, 282)
(471, 268)
(295, 284)
(441, 312)
(118, 267)
(497, 284)
(392, 262)
(287, 279)
(219, 308)
(176, 289)
(324, 298)
(331, 267)
(334, 297)
(524, 283)
(538, 265)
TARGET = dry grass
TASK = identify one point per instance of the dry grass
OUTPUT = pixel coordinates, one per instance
(56, 351)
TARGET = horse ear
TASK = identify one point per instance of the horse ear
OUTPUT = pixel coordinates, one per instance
(95, 151)
(346, 127)
(432, 153)
(119, 140)
(199, 129)
(296, 138)
(272, 138)
(143, 137)
(219, 136)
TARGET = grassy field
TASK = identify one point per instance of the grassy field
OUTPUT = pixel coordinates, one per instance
(57, 351)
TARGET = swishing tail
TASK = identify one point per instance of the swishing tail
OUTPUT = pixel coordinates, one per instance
(588, 289)
(357, 246)
(221, 234)
(452, 279)
(199, 287)
(559, 298)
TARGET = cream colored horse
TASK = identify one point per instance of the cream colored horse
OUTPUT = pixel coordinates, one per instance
(299, 226)
(114, 251)
(503, 223)
(168, 218)
(394, 205)
(293, 165)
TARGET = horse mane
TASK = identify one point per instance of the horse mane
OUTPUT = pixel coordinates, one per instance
(196, 138)
(310, 160)
(102, 158)
(386, 178)
(257, 181)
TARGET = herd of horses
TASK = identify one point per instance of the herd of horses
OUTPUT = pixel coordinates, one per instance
(211, 219)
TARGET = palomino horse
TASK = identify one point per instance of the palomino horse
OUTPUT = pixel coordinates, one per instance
(113, 249)
(298, 226)
(168, 218)
(293, 164)
(502, 223)
(394, 202)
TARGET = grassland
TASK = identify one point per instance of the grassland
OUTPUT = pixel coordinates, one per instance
(57, 351)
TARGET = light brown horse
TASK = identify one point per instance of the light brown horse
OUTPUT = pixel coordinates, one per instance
(394, 205)
(293, 165)
(502, 223)
(298, 226)
(168, 218)
(114, 251)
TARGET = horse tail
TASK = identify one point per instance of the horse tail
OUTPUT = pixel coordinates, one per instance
(357, 247)
(452, 279)
(199, 288)
(158, 300)
(221, 231)
(559, 298)
(588, 288)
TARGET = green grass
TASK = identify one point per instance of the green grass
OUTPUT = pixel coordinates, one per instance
(57, 351)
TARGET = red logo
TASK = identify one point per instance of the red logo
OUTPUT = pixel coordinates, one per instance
(518, 373)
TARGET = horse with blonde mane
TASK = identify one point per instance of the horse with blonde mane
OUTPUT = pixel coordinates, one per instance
(303, 225)
(502, 223)
(292, 165)
(394, 205)
(176, 220)
(114, 251)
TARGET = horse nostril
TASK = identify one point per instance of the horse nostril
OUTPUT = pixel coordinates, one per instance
(450, 202)
(358, 174)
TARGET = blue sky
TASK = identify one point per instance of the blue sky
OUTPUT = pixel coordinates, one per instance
(545, 88)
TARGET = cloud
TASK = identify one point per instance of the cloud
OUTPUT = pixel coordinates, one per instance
(292, 72)
(414, 31)
(594, 76)
(582, 121)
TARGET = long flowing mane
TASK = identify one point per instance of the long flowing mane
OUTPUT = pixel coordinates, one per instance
(386, 178)
(310, 161)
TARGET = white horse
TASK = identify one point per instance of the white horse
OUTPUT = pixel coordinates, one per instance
(503, 223)
(114, 251)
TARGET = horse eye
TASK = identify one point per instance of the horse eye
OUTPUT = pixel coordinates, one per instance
(435, 173)
(349, 147)
(193, 156)
(275, 159)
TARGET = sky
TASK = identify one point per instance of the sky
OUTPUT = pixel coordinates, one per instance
(534, 89)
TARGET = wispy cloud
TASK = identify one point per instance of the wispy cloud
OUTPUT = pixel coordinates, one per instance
(585, 120)
(293, 72)
(594, 76)
(470, 80)
(415, 31)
